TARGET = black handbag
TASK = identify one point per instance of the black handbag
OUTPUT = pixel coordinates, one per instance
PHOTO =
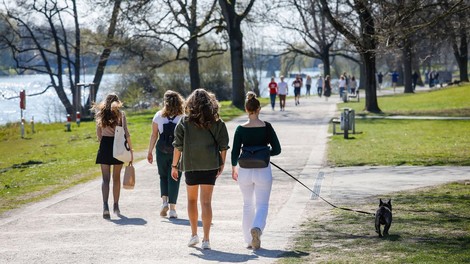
(256, 156)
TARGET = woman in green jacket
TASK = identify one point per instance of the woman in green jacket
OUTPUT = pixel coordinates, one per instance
(201, 141)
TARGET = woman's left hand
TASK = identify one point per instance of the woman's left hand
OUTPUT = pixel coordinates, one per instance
(174, 173)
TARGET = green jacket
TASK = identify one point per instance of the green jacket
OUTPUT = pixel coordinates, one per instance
(199, 150)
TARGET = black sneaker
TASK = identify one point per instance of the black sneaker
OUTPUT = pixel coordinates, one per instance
(106, 214)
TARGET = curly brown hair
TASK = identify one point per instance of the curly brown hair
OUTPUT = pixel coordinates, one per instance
(107, 113)
(202, 108)
(173, 104)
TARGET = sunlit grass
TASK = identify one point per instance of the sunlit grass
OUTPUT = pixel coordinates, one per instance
(430, 225)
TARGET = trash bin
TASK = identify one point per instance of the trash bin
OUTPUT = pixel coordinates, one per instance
(344, 121)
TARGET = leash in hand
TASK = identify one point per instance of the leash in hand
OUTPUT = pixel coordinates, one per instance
(342, 208)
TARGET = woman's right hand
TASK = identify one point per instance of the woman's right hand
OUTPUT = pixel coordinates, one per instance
(150, 157)
(235, 173)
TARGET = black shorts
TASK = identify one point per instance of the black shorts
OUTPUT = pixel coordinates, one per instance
(201, 177)
(297, 91)
(105, 152)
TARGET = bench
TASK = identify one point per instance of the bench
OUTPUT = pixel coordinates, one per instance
(335, 121)
(354, 95)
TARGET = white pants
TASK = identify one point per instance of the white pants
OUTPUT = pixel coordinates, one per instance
(255, 185)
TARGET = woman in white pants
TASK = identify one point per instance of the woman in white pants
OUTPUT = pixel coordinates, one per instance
(255, 183)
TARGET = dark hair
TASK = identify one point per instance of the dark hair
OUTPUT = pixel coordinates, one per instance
(252, 103)
(202, 108)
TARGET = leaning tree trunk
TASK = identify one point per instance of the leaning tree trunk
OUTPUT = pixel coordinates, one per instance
(106, 52)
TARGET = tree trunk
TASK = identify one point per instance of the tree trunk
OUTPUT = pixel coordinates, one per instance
(407, 71)
(461, 55)
(106, 52)
(370, 84)
(194, 64)
(238, 74)
(325, 58)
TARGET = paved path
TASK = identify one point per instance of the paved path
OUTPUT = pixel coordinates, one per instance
(68, 227)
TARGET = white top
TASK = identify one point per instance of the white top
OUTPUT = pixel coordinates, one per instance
(282, 88)
(159, 120)
(320, 82)
(342, 83)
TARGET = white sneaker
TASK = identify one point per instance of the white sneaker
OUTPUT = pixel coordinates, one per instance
(256, 240)
(193, 241)
(173, 214)
(206, 245)
(163, 209)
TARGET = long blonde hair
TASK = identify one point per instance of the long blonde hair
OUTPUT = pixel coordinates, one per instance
(107, 113)
(202, 108)
(173, 104)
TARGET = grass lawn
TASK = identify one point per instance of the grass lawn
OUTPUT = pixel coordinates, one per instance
(409, 142)
(452, 101)
(430, 225)
(403, 142)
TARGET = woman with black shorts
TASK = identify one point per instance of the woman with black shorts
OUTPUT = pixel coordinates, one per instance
(108, 116)
(201, 141)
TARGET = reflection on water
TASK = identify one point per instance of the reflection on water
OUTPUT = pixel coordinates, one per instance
(45, 107)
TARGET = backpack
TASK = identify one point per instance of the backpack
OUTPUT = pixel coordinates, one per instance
(165, 140)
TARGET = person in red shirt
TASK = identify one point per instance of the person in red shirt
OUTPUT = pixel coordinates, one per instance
(273, 92)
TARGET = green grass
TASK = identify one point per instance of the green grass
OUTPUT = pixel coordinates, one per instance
(409, 142)
(403, 142)
(430, 225)
(453, 101)
(52, 160)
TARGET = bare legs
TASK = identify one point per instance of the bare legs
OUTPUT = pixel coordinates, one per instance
(206, 208)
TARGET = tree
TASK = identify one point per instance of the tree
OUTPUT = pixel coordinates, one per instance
(41, 42)
(108, 45)
(317, 37)
(458, 29)
(180, 25)
(363, 38)
(233, 26)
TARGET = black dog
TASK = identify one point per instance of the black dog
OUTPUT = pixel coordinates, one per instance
(383, 216)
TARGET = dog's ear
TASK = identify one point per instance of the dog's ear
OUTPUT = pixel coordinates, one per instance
(390, 203)
(381, 203)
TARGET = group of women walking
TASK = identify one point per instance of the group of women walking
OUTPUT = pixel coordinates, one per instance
(200, 143)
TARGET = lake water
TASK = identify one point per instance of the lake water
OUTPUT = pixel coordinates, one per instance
(45, 107)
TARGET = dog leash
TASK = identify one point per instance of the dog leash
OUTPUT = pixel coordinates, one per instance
(335, 206)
